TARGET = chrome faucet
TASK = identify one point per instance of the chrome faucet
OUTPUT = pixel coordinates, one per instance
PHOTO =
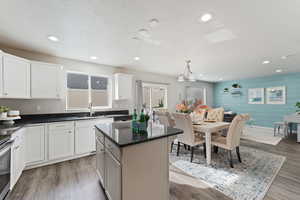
(91, 109)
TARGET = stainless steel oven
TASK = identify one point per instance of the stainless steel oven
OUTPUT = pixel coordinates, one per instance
(4, 169)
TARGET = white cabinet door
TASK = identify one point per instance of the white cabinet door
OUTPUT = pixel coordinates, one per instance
(100, 159)
(18, 157)
(1, 75)
(35, 144)
(16, 77)
(61, 140)
(123, 86)
(85, 141)
(45, 80)
(112, 177)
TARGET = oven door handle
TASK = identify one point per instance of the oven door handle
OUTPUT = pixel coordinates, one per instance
(5, 149)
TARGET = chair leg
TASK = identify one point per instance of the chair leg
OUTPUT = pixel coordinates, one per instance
(192, 154)
(204, 149)
(230, 158)
(238, 154)
(172, 144)
(216, 149)
(274, 131)
(189, 148)
(178, 148)
(184, 146)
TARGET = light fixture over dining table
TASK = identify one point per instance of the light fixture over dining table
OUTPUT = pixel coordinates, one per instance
(187, 74)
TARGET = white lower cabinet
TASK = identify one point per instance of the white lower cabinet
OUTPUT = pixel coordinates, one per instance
(60, 140)
(17, 156)
(113, 177)
(35, 144)
(85, 137)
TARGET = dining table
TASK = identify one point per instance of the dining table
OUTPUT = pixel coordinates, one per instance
(209, 128)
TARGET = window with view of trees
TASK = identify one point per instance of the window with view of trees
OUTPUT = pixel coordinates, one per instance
(84, 90)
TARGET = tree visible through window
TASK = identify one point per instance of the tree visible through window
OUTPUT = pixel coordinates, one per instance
(84, 90)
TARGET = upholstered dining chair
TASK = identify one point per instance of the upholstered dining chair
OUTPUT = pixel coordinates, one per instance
(198, 116)
(216, 115)
(232, 140)
(189, 137)
(165, 118)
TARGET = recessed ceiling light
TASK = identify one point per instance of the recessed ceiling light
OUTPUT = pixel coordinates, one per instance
(136, 58)
(53, 38)
(266, 62)
(278, 70)
(93, 57)
(206, 17)
(283, 57)
(220, 79)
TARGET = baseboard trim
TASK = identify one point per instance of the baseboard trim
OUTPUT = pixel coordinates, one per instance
(44, 163)
(260, 127)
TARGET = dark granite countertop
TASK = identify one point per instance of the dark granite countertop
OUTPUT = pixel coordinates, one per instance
(61, 117)
(121, 133)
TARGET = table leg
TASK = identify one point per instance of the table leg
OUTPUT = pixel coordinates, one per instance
(298, 133)
(208, 147)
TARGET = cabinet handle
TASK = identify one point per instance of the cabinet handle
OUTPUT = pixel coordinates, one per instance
(16, 147)
(69, 131)
(5, 93)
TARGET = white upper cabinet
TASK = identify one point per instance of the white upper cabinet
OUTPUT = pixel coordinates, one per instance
(46, 80)
(16, 77)
(123, 86)
(1, 73)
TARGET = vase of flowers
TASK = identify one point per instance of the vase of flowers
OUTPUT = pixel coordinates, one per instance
(183, 107)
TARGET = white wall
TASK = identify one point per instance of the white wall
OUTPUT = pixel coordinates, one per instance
(175, 89)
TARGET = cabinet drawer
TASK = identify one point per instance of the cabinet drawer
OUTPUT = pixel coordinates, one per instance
(61, 126)
(114, 149)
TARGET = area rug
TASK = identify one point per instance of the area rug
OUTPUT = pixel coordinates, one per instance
(261, 135)
(249, 180)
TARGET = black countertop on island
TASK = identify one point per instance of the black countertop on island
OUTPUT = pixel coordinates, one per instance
(122, 135)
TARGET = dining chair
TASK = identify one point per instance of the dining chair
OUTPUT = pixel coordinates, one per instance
(190, 137)
(216, 115)
(232, 140)
(165, 118)
(198, 116)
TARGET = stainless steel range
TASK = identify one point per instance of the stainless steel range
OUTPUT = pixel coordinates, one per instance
(5, 150)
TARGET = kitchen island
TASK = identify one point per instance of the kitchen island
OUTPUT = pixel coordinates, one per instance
(134, 166)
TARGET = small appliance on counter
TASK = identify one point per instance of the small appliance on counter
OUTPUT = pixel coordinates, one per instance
(8, 116)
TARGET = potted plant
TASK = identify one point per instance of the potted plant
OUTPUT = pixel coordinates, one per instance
(3, 111)
(298, 106)
(235, 85)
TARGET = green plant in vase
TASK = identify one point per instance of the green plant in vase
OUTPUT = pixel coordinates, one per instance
(3, 111)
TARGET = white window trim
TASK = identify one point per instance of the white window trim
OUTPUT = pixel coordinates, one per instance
(109, 89)
(154, 85)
